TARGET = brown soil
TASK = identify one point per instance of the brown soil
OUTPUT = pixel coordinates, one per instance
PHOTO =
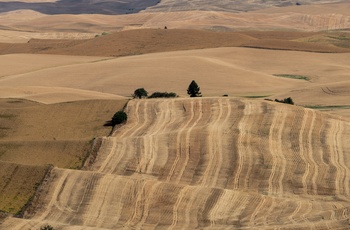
(135, 42)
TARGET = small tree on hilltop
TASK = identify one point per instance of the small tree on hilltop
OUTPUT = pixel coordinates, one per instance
(193, 90)
(140, 93)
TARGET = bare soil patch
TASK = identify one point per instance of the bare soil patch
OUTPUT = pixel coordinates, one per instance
(136, 42)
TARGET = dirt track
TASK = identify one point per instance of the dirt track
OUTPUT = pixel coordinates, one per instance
(207, 163)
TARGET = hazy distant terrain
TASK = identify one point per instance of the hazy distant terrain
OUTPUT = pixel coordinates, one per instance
(110, 7)
(229, 5)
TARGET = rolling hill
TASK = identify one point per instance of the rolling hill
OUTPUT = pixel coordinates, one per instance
(206, 163)
(34, 136)
(229, 160)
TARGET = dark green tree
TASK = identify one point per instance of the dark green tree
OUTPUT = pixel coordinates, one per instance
(288, 100)
(162, 94)
(193, 90)
(119, 117)
(140, 93)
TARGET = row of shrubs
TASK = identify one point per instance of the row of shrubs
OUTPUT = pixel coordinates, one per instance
(142, 93)
(162, 95)
(288, 100)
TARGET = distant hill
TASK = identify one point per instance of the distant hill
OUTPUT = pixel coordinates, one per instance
(142, 41)
(229, 5)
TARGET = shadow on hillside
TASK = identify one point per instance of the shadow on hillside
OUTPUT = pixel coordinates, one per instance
(108, 7)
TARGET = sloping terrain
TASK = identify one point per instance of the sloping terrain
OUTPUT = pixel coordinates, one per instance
(78, 6)
(18, 184)
(143, 41)
(23, 25)
(58, 134)
(207, 163)
(232, 71)
(229, 5)
(34, 135)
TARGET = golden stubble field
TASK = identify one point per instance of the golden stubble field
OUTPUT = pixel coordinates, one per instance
(208, 163)
(215, 162)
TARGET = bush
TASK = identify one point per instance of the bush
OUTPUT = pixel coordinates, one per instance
(47, 227)
(162, 95)
(288, 100)
(119, 117)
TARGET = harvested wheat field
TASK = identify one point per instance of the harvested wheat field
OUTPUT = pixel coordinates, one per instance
(206, 163)
(228, 160)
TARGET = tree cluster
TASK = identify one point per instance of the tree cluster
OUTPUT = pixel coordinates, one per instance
(162, 95)
(142, 93)
(193, 90)
(288, 100)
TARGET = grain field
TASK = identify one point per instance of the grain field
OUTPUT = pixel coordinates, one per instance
(206, 163)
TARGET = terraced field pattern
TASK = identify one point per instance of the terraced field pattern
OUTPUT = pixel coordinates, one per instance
(206, 163)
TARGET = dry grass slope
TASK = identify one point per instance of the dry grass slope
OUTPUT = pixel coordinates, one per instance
(208, 163)
(18, 184)
(33, 135)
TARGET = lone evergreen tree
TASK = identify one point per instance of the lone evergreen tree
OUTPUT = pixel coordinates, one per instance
(193, 90)
(140, 93)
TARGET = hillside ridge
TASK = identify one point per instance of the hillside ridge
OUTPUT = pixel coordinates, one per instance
(208, 163)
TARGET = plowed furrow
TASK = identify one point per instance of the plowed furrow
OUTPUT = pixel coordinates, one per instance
(151, 143)
(311, 150)
(182, 147)
(216, 140)
(185, 145)
(342, 174)
(278, 159)
(242, 145)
